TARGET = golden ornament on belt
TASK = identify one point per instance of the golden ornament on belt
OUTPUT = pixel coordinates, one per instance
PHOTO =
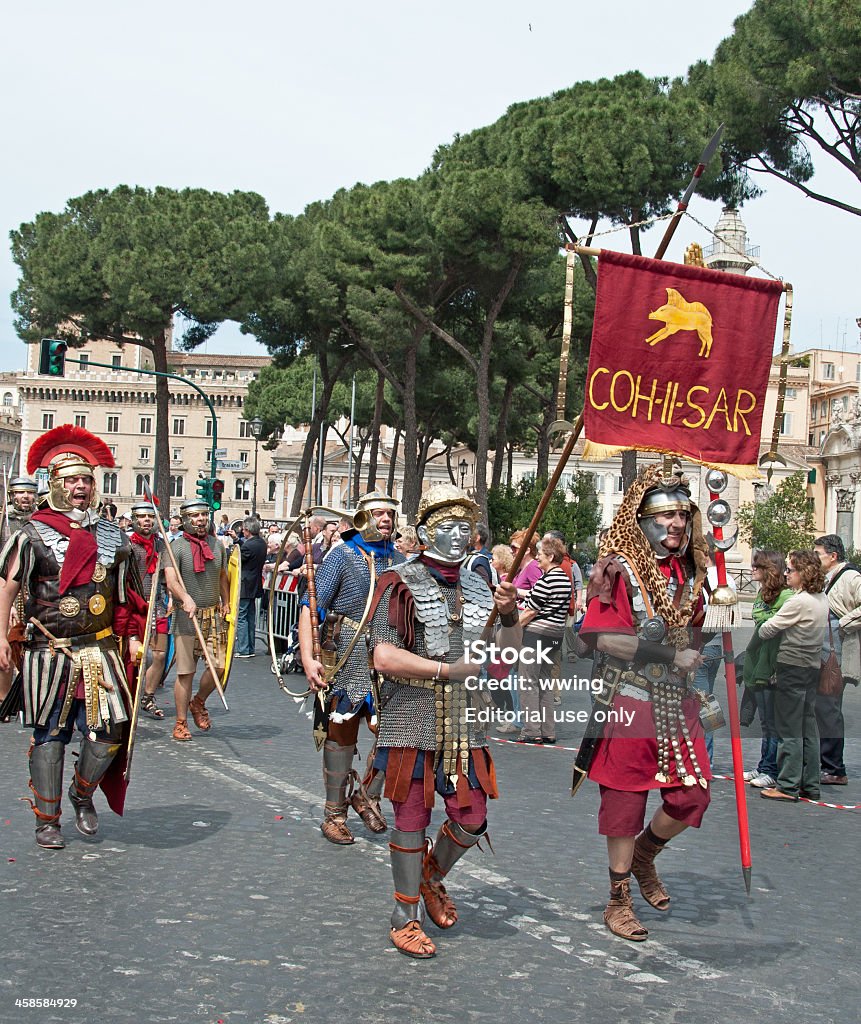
(99, 573)
(69, 606)
(97, 604)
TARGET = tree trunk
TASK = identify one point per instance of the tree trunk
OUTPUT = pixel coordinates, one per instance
(543, 448)
(375, 432)
(357, 474)
(501, 434)
(629, 468)
(161, 480)
(510, 473)
(412, 484)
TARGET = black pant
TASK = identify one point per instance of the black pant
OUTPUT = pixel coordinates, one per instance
(829, 721)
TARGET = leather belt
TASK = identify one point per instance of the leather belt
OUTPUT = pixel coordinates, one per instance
(424, 684)
(74, 641)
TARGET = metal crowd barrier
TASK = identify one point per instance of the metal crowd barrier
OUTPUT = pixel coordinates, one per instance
(286, 611)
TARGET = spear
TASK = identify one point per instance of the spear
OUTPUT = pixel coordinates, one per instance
(705, 159)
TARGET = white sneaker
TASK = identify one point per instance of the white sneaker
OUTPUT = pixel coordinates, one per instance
(763, 782)
(750, 775)
(507, 727)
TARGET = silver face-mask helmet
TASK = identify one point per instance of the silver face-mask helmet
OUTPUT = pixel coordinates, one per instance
(188, 508)
(363, 517)
(445, 522)
(672, 498)
(143, 508)
(23, 494)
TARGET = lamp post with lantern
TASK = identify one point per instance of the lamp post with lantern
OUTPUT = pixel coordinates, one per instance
(257, 433)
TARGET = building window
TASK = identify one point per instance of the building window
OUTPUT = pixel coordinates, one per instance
(109, 483)
(117, 361)
(8, 399)
(113, 425)
(47, 421)
(83, 360)
(209, 426)
(823, 410)
(243, 490)
(207, 456)
(112, 448)
(786, 423)
(146, 424)
(858, 371)
(178, 425)
(620, 484)
(828, 371)
(272, 490)
(821, 436)
(177, 487)
(243, 458)
(810, 439)
(80, 419)
(140, 480)
(144, 454)
(176, 455)
(245, 429)
(790, 392)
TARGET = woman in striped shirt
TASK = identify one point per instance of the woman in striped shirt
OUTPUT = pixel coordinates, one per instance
(543, 619)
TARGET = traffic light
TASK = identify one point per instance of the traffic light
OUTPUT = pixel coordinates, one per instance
(204, 490)
(217, 494)
(52, 357)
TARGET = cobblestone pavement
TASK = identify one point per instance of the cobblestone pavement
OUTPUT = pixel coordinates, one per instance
(216, 899)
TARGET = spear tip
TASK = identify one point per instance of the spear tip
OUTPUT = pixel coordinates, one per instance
(746, 871)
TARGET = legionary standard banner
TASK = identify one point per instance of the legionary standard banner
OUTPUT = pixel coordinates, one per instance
(679, 362)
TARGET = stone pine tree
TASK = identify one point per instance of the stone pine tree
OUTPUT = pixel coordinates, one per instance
(787, 83)
(122, 264)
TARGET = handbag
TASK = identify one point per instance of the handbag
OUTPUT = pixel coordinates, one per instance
(830, 673)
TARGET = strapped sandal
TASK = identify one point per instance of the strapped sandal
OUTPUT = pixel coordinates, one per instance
(181, 731)
(200, 714)
(412, 941)
(619, 915)
(439, 905)
(149, 705)
(368, 810)
(652, 889)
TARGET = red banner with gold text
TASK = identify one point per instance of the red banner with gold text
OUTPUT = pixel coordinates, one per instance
(679, 361)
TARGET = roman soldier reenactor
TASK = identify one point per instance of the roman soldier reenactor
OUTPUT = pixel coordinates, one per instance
(425, 613)
(74, 571)
(343, 583)
(147, 549)
(643, 597)
(21, 502)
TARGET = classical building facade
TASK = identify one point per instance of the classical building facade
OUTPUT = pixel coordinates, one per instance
(118, 404)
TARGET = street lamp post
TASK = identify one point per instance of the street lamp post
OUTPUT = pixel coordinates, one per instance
(257, 431)
(462, 466)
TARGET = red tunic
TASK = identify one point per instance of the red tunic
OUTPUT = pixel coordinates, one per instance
(627, 755)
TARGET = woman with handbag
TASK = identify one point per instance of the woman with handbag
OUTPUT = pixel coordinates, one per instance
(760, 663)
(801, 624)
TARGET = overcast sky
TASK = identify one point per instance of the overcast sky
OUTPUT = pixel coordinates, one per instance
(295, 100)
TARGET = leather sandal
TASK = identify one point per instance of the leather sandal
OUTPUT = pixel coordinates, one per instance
(412, 941)
(369, 811)
(181, 731)
(439, 905)
(200, 714)
(652, 889)
(334, 828)
(619, 916)
(149, 705)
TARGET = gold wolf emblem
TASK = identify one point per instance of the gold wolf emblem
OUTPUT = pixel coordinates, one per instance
(679, 315)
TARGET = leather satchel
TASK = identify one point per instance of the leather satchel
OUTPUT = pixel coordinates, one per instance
(830, 673)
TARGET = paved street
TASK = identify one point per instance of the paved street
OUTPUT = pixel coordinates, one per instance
(216, 899)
